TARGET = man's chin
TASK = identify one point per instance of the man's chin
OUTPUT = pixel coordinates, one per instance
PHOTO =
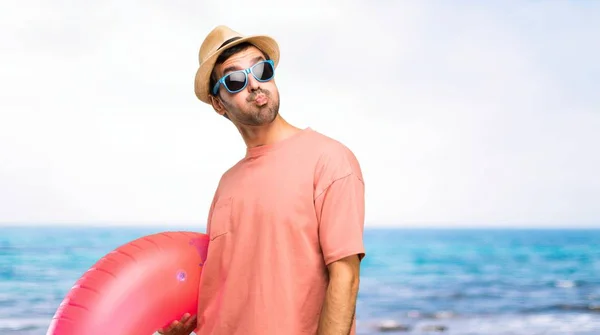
(269, 116)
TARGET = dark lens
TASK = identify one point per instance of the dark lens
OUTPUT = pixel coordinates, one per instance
(263, 71)
(235, 81)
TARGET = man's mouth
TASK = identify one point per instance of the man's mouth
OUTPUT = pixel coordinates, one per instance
(260, 99)
(257, 95)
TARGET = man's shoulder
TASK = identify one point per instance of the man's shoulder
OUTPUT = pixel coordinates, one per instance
(328, 145)
(231, 171)
(335, 155)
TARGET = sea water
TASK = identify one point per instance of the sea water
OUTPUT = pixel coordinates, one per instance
(416, 281)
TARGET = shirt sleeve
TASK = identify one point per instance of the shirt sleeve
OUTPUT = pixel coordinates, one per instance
(341, 212)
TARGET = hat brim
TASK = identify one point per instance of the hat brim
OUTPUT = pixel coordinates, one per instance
(265, 43)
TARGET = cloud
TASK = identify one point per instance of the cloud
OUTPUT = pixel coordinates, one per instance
(478, 114)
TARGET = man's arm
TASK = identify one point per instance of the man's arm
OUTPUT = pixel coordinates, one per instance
(340, 208)
(337, 315)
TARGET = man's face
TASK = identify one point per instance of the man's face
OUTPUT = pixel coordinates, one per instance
(258, 103)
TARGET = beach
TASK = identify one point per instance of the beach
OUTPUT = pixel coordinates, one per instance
(413, 281)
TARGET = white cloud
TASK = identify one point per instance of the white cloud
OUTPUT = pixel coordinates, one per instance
(482, 115)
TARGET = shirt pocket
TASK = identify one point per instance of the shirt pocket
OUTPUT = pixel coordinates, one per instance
(220, 221)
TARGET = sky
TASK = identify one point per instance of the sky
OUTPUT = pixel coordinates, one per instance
(462, 114)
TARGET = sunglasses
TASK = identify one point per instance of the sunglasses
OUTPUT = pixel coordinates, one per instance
(236, 81)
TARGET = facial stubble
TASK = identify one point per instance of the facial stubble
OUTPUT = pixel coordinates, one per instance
(255, 115)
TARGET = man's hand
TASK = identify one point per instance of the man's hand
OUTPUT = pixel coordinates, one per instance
(185, 326)
(337, 315)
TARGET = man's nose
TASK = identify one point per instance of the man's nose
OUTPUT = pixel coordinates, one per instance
(253, 84)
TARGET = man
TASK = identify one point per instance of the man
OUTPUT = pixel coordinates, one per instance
(286, 221)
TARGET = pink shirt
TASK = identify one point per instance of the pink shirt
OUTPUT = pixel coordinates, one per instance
(278, 218)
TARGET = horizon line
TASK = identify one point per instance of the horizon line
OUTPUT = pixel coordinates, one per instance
(368, 226)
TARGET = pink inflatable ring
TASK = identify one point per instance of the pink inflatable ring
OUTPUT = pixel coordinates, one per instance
(135, 289)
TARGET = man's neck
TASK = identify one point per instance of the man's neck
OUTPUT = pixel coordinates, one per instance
(274, 132)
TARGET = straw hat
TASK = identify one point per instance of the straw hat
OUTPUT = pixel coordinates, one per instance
(215, 43)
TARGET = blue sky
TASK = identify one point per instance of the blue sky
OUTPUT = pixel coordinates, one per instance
(470, 114)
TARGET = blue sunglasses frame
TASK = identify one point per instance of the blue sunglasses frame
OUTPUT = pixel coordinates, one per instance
(245, 72)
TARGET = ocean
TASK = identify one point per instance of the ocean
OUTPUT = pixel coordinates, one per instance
(413, 281)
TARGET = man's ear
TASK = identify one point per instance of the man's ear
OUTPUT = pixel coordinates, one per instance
(217, 105)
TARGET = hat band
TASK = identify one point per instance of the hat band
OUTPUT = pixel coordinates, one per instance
(229, 41)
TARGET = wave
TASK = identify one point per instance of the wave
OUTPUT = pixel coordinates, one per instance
(593, 308)
(25, 324)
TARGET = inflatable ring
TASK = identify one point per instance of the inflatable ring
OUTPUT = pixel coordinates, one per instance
(138, 288)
